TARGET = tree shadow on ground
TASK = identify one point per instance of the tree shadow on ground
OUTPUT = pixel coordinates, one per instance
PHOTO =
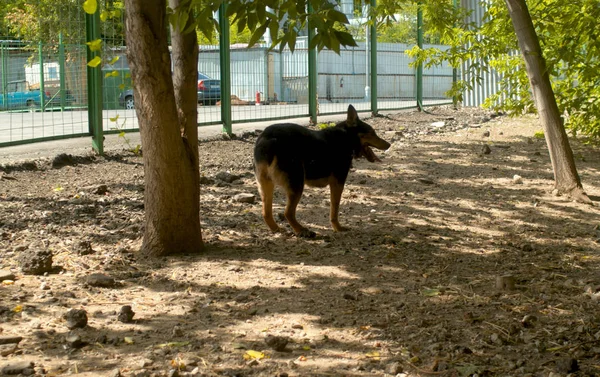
(411, 287)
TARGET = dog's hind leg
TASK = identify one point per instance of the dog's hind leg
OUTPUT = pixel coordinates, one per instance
(336, 189)
(266, 187)
(293, 198)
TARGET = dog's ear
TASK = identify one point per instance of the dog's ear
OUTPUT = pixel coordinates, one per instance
(352, 119)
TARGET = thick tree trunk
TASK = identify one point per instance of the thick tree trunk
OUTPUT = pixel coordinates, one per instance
(172, 193)
(565, 173)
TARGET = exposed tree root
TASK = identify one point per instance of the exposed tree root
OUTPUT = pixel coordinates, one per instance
(578, 195)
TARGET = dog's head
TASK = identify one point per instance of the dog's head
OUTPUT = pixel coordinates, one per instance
(366, 135)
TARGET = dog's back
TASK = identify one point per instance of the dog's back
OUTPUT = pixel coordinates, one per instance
(286, 141)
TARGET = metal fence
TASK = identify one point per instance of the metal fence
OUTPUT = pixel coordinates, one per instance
(58, 100)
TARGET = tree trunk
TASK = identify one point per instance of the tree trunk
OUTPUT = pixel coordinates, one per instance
(566, 179)
(169, 141)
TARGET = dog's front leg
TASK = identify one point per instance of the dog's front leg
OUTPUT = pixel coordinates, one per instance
(336, 189)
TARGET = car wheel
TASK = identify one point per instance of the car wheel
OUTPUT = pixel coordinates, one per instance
(129, 104)
(30, 105)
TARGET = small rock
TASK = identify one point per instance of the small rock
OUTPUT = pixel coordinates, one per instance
(438, 124)
(245, 198)
(517, 179)
(242, 297)
(226, 177)
(116, 373)
(278, 343)
(485, 149)
(17, 367)
(567, 365)
(297, 326)
(10, 339)
(76, 318)
(100, 280)
(505, 283)
(486, 133)
(425, 181)
(205, 180)
(74, 341)
(146, 363)
(84, 248)
(555, 192)
(7, 349)
(393, 368)
(177, 331)
(35, 262)
(529, 321)
(6, 275)
(100, 190)
(349, 296)
(126, 314)
(44, 286)
(173, 373)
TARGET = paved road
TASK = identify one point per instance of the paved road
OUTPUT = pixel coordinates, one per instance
(22, 126)
(19, 126)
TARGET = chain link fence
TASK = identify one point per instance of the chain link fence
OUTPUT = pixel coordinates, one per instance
(46, 94)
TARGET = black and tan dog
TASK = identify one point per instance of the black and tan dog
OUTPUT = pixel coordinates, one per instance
(291, 156)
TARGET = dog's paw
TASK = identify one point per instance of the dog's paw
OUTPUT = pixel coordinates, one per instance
(338, 228)
(305, 233)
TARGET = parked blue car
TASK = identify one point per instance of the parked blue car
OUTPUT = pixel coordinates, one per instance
(209, 90)
(19, 95)
(209, 93)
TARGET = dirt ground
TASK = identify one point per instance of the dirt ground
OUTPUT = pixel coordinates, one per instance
(459, 262)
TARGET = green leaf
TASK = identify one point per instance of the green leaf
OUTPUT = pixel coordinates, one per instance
(261, 14)
(337, 16)
(183, 19)
(431, 292)
(345, 38)
(258, 33)
(315, 41)
(292, 40)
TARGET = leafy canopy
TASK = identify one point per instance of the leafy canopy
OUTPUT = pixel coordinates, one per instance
(569, 33)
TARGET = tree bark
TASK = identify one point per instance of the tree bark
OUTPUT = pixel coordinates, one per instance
(166, 114)
(566, 179)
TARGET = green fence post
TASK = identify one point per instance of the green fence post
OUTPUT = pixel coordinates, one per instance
(419, 77)
(94, 85)
(61, 75)
(312, 73)
(454, 70)
(225, 62)
(42, 91)
(373, 31)
(4, 82)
